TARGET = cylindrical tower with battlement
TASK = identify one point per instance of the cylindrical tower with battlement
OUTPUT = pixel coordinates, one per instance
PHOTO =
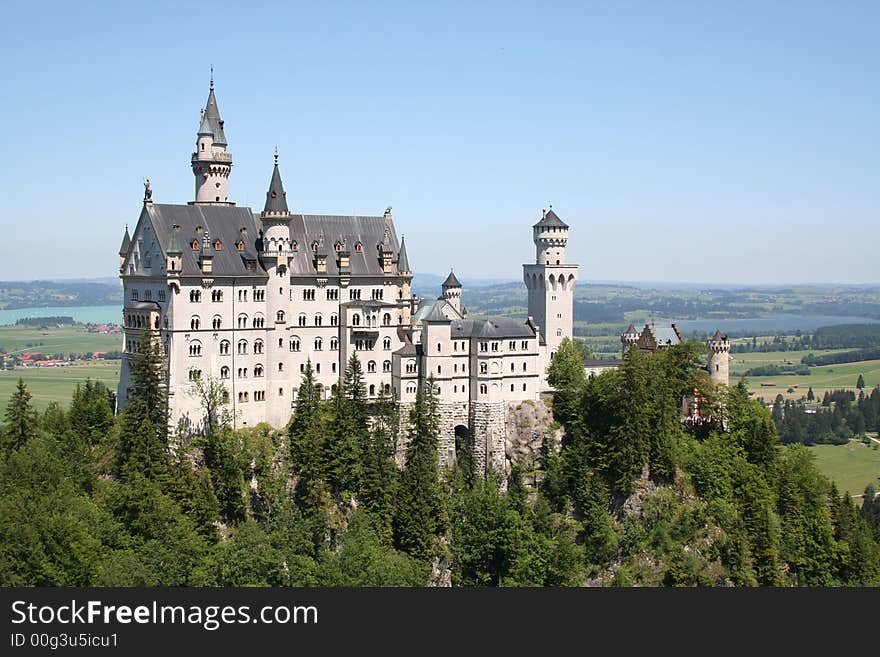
(211, 162)
(719, 359)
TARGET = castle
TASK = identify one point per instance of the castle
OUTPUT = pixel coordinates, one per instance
(249, 298)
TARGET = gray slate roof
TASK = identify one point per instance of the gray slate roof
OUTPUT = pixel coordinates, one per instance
(402, 260)
(327, 230)
(665, 334)
(221, 222)
(276, 197)
(551, 219)
(499, 327)
(603, 363)
(212, 115)
(718, 337)
(451, 281)
(631, 330)
(126, 243)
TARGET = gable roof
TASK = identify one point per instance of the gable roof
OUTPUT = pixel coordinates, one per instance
(551, 219)
(498, 327)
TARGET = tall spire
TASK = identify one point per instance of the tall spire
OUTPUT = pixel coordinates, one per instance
(211, 162)
(126, 243)
(276, 197)
(212, 115)
(402, 260)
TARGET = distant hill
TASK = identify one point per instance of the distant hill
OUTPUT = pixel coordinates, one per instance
(37, 294)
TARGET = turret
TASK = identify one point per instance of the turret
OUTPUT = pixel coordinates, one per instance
(211, 162)
(551, 237)
(206, 255)
(124, 248)
(629, 338)
(405, 302)
(275, 216)
(174, 253)
(718, 347)
(452, 292)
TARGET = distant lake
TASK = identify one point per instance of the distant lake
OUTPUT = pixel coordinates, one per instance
(84, 314)
(768, 325)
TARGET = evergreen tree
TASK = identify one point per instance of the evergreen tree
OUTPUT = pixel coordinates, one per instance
(860, 383)
(91, 412)
(420, 514)
(307, 446)
(379, 467)
(810, 395)
(20, 419)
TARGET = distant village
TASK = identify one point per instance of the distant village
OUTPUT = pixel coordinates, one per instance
(34, 358)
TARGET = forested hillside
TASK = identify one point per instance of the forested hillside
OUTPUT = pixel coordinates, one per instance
(631, 496)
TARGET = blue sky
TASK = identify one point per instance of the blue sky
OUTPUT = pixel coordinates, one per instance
(682, 141)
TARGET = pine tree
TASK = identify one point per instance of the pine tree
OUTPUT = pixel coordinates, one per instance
(379, 469)
(810, 395)
(307, 446)
(91, 412)
(860, 383)
(420, 514)
(20, 419)
(343, 446)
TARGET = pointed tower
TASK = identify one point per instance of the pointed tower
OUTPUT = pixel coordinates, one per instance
(550, 281)
(404, 302)
(718, 347)
(629, 337)
(452, 292)
(124, 248)
(275, 219)
(211, 163)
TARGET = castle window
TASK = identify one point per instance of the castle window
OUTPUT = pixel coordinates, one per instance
(239, 246)
(386, 366)
(334, 319)
(484, 368)
(224, 347)
(512, 345)
(280, 392)
(195, 375)
(315, 247)
(224, 372)
(511, 367)
(439, 346)
(716, 367)
(216, 322)
(511, 387)
(293, 246)
(194, 323)
(377, 295)
(258, 371)
(259, 295)
(259, 321)
(371, 366)
(525, 367)
(195, 348)
(334, 344)
(386, 319)
(258, 346)
(294, 344)
(494, 346)
(195, 296)
(161, 295)
(319, 344)
(524, 387)
(454, 388)
(279, 316)
(242, 346)
(483, 388)
(195, 245)
(148, 295)
(410, 367)
(242, 321)
(356, 320)
(358, 247)
(525, 344)
(318, 319)
(338, 246)
(333, 367)
(558, 333)
(242, 372)
(372, 390)
(439, 369)
(386, 344)
(134, 295)
(259, 395)
(484, 346)
(280, 342)
(301, 320)
(218, 245)
(309, 295)
(354, 295)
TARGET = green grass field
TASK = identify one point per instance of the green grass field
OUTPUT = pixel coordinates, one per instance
(825, 377)
(851, 467)
(57, 383)
(64, 340)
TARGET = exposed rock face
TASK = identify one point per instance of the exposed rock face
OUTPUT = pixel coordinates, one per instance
(527, 426)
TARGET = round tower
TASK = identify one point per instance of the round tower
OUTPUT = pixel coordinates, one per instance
(211, 162)
(719, 359)
(452, 292)
(550, 282)
(629, 338)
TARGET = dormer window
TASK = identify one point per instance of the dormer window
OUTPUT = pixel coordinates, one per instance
(315, 247)
(199, 230)
(195, 245)
(358, 247)
(239, 246)
(218, 245)
(338, 246)
(293, 246)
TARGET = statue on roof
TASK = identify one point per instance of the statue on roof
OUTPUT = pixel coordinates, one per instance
(148, 190)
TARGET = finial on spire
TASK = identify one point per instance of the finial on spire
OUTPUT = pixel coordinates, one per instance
(276, 156)
(212, 76)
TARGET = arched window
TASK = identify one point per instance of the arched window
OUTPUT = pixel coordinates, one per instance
(386, 366)
(258, 346)
(279, 316)
(318, 319)
(371, 366)
(195, 245)
(439, 369)
(259, 321)
(224, 372)
(334, 344)
(242, 321)
(195, 348)
(484, 368)
(258, 370)
(242, 346)
(218, 245)
(302, 319)
(239, 246)
(334, 319)
(224, 347)
(387, 388)
(372, 390)
(386, 344)
(386, 319)
(195, 296)
(319, 344)
(439, 346)
(216, 295)
(281, 367)
(356, 320)
(411, 388)
(358, 247)
(483, 389)
(294, 344)
(195, 322)
(216, 322)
